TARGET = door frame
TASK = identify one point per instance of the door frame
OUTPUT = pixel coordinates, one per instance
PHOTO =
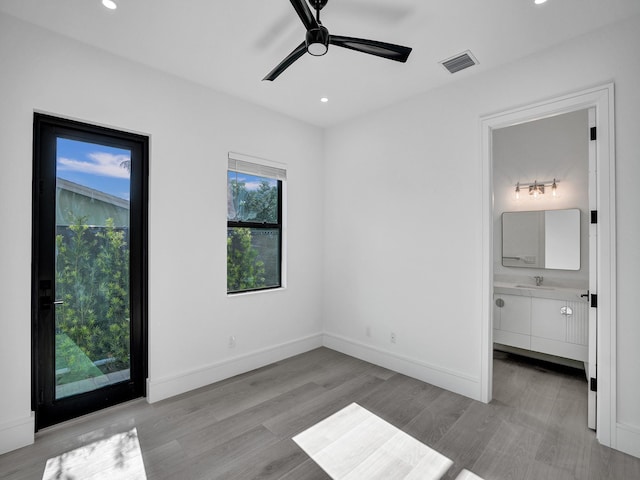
(43, 400)
(602, 99)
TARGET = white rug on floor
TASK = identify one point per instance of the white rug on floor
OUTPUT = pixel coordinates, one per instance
(355, 444)
(115, 458)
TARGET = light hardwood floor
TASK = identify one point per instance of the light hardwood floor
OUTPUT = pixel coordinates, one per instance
(242, 428)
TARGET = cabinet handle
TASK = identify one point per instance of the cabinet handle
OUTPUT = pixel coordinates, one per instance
(499, 302)
(566, 311)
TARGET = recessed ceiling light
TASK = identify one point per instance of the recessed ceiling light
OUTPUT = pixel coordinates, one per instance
(539, 2)
(324, 99)
(111, 5)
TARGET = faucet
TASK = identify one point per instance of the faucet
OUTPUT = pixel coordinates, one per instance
(538, 279)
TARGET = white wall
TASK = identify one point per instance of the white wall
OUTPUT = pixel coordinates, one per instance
(403, 209)
(555, 147)
(191, 129)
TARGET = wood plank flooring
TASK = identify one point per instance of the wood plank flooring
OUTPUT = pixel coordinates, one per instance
(242, 428)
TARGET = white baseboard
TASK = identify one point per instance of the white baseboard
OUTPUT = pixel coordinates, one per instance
(17, 433)
(161, 388)
(444, 378)
(628, 439)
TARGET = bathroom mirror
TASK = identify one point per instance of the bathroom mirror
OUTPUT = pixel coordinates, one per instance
(541, 239)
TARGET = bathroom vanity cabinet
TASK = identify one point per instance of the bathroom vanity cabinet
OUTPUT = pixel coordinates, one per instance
(526, 318)
(512, 320)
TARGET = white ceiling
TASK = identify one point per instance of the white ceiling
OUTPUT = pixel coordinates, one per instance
(230, 45)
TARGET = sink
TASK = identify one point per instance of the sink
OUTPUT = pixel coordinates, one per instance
(539, 287)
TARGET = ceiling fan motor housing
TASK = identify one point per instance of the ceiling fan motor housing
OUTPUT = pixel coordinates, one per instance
(317, 41)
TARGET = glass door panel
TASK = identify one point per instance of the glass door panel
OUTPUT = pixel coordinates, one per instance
(92, 318)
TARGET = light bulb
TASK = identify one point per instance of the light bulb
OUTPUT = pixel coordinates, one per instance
(533, 191)
(110, 4)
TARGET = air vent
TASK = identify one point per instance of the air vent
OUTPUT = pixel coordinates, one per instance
(459, 62)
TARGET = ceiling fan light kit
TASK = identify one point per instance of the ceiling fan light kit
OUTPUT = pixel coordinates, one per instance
(318, 38)
(317, 41)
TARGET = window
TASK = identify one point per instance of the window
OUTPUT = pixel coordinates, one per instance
(254, 225)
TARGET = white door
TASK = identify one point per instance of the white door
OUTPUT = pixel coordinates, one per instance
(593, 276)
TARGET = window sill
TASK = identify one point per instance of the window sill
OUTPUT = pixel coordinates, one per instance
(255, 292)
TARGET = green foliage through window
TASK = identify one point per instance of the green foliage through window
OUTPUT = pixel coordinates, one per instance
(92, 279)
(253, 232)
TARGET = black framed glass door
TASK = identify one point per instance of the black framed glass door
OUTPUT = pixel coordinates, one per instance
(89, 268)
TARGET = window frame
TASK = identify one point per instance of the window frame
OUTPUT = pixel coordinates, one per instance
(259, 167)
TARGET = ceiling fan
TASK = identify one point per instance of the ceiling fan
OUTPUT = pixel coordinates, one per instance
(318, 39)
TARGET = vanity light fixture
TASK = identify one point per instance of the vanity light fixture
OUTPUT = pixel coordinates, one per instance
(536, 189)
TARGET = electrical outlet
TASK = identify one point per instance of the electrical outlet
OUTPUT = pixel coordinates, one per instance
(368, 331)
(232, 341)
(393, 337)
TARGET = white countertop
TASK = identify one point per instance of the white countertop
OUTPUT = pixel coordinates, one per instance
(543, 291)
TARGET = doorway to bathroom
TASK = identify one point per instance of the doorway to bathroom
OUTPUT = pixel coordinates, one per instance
(582, 329)
(541, 251)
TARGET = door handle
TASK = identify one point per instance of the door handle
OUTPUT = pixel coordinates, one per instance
(46, 302)
(566, 311)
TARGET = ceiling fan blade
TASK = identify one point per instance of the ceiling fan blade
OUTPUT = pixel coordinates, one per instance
(304, 12)
(286, 63)
(372, 47)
